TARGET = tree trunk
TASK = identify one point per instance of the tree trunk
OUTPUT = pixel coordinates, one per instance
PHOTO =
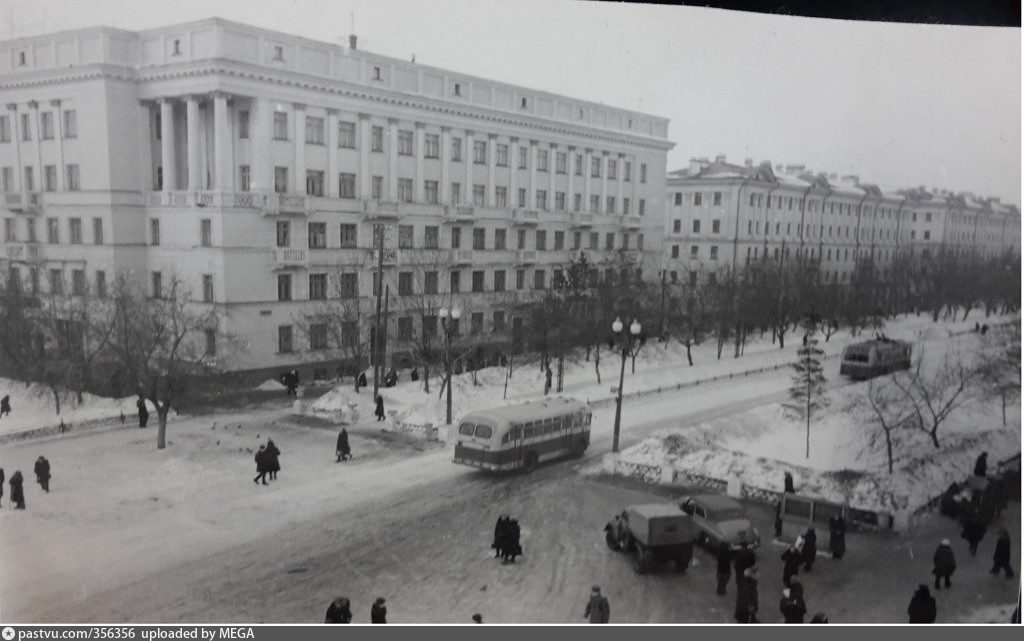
(161, 421)
(597, 362)
(56, 397)
(561, 370)
(934, 436)
(888, 447)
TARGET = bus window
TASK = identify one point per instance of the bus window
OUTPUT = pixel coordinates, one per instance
(466, 429)
(483, 431)
(504, 437)
(528, 432)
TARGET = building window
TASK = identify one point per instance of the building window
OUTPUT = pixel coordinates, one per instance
(280, 125)
(609, 241)
(643, 173)
(405, 237)
(75, 229)
(502, 155)
(696, 226)
(499, 239)
(207, 288)
(243, 124)
(521, 239)
(499, 321)
(714, 252)
(453, 282)
(26, 128)
(405, 190)
(244, 178)
(501, 197)
(499, 280)
(52, 231)
(431, 146)
(314, 183)
(377, 187)
(521, 197)
(281, 180)
(348, 285)
(520, 279)
(348, 235)
(405, 328)
(476, 323)
(542, 199)
(7, 178)
(317, 286)
(404, 143)
(314, 130)
(577, 238)
(154, 231)
(479, 236)
(718, 198)
(5, 129)
(346, 134)
(579, 165)
(577, 202)
(377, 138)
(279, 56)
(30, 183)
(480, 152)
(205, 232)
(595, 167)
(611, 169)
(675, 251)
(317, 235)
(283, 228)
(431, 235)
(698, 199)
(57, 282)
(284, 287)
(156, 282)
(559, 240)
(542, 160)
(456, 195)
(927, 235)
(101, 284)
(456, 148)
(538, 279)
(542, 240)
(346, 185)
(642, 207)
(560, 200)
(11, 230)
(50, 177)
(430, 282)
(284, 339)
(595, 203)
(78, 282)
(46, 125)
(479, 195)
(524, 154)
(478, 281)
(610, 204)
(430, 191)
(456, 238)
(716, 226)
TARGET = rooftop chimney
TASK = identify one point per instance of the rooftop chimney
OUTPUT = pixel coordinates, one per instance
(352, 42)
(694, 167)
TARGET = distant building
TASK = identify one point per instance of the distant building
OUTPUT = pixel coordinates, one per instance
(725, 216)
(256, 166)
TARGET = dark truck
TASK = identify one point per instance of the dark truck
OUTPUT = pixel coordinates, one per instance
(657, 532)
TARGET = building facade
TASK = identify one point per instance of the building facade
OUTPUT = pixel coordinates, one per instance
(723, 216)
(257, 168)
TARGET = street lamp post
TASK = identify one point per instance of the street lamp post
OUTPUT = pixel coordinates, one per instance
(626, 341)
(446, 314)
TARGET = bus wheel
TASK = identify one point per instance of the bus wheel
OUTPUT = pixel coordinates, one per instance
(578, 449)
(530, 462)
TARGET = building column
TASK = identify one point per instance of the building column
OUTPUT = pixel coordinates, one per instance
(417, 186)
(444, 189)
(299, 181)
(261, 132)
(40, 178)
(634, 175)
(492, 159)
(513, 173)
(193, 140)
(365, 140)
(603, 205)
(393, 159)
(467, 189)
(570, 194)
(223, 154)
(620, 170)
(16, 133)
(167, 144)
(587, 180)
(552, 162)
(332, 153)
(531, 191)
(59, 132)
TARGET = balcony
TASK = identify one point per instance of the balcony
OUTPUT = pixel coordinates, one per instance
(274, 204)
(525, 217)
(458, 214)
(581, 220)
(287, 258)
(26, 202)
(389, 257)
(632, 222)
(461, 256)
(526, 257)
(382, 210)
(23, 251)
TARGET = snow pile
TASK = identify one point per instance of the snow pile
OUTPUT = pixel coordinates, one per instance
(33, 407)
(270, 385)
(338, 406)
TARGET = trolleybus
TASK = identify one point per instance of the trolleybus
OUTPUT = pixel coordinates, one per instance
(875, 358)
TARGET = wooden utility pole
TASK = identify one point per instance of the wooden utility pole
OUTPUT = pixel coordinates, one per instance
(375, 348)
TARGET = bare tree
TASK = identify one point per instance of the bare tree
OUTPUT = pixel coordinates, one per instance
(999, 366)
(332, 327)
(933, 396)
(891, 413)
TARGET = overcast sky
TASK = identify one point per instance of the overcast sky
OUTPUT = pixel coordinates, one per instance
(900, 105)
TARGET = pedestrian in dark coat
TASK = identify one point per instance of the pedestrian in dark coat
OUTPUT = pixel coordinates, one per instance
(261, 465)
(792, 559)
(810, 549)
(922, 606)
(974, 530)
(143, 412)
(379, 412)
(1000, 560)
(42, 470)
(788, 483)
(945, 563)
(478, 618)
(500, 535)
(512, 547)
(792, 609)
(981, 465)
(778, 519)
(273, 463)
(339, 611)
(547, 380)
(17, 493)
(2, 477)
(746, 597)
(837, 536)
(597, 610)
(724, 567)
(379, 611)
(745, 558)
(5, 405)
(414, 375)
(362, 379)
(342, 449)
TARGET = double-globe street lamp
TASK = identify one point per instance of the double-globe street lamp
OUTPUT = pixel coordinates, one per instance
(625, 341)
(449, 322)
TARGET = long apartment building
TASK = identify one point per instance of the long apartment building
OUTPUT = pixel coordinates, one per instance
(722, 216)
(257, 167)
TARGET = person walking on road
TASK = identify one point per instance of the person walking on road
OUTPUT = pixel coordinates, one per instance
(17, 493)
(922, 606)
(810, 549)
(788, 483)
(342, 450)
(5, 405)
(2, 477)
(547, 380)
(746, 597)
(724, 567)
(511, 542)
(981, 465)
(143, 412)
(379, 611)
(791, 559)
(500, 535)
(792, 609)
(273, 463)
(339, 611)
(1000, 560)
(597, 610)
(261, 465)
(379, 412)
(42, 470)
(945, 563)
(837, 536)
(974, 530)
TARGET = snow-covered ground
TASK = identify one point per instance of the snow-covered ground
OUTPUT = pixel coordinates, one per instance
(847, 461)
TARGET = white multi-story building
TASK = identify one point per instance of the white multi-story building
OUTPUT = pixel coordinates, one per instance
(254, 167)
(723, 216)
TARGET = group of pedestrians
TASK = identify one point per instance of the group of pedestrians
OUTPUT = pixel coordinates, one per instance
(17, 481)
(340, 611)
(267, 462)
(506, 539)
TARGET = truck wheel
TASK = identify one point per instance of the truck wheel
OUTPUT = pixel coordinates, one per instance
(682, 562)
(642, 560)
(578, 449)
(530, 462)
(612, 541)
